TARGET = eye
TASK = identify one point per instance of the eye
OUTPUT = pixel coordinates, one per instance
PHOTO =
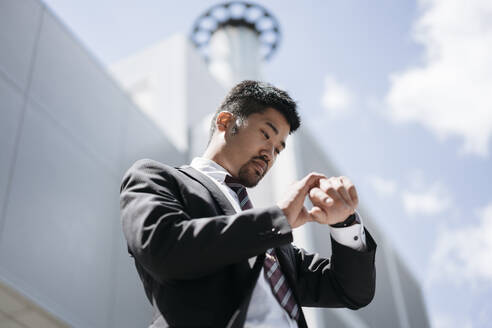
(265, 134)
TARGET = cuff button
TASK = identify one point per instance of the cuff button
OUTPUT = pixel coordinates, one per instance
(356, 237)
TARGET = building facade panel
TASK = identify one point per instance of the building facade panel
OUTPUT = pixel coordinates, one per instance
(131, 307)
(413, 298)
(61, 245)
(382, 312)
(203, 93)
(57, 236)
(11, 109)
(77, 91)
(19, 25)
(143, 139)
(155, 78)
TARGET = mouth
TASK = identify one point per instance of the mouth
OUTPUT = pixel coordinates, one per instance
(261, 167)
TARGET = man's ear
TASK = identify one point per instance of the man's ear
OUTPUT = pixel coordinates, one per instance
(224, 119)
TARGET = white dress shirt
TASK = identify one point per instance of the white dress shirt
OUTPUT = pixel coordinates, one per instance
(264, 309)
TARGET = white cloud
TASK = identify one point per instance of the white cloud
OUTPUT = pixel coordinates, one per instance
(429, 201)
(451, 93)
(384, 187)
(463, 254)
(336, 98)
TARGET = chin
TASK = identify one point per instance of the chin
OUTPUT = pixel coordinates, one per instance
(254, 183)
(249, 178)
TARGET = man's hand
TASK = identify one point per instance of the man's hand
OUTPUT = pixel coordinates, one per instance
(336, 197)
(292, 203)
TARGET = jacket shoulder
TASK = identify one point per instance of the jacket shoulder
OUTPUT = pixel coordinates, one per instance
(146, 167)
(150, 165)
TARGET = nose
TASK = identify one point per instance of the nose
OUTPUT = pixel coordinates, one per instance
(267, 156)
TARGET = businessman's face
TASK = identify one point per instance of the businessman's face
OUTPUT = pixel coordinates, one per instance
(253, 146)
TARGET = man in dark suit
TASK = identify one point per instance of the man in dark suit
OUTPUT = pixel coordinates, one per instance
(208, 258)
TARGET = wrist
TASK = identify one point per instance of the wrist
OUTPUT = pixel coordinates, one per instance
(286, 214)
(351, 220)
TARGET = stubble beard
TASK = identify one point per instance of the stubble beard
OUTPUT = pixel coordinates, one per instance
(248, 175)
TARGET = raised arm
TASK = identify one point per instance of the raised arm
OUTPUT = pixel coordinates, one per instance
(348, 280)
(171, 245)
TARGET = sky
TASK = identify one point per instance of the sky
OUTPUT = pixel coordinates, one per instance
(399, 95)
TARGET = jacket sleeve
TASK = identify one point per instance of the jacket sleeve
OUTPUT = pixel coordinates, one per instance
(170, 244)
(348, 281)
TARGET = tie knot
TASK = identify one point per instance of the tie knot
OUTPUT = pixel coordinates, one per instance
(231, 181)
(240, 190)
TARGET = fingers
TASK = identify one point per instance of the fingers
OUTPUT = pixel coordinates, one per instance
(340, 188)
(316, 214)
(302, 218)
(351, 191)
(333, 199)
(336, 187)
(293, 201)
(320, 198)
(311, 180)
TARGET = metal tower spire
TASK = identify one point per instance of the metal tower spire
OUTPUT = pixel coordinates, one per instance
(235, 38)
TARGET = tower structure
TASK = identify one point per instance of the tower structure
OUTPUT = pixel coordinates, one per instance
(235, 38)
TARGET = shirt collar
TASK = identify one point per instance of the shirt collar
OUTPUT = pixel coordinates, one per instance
(210, 168)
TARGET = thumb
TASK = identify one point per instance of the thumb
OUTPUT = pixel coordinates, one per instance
(316, 214)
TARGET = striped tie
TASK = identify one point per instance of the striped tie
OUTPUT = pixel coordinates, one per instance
(271, 269)
(279, 285)
(240, 190)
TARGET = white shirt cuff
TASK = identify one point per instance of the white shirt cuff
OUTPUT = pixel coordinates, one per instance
(352, 236)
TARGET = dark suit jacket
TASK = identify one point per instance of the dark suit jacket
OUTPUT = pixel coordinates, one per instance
(191, 251)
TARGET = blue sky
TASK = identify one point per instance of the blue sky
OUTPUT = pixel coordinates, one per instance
(399, 94)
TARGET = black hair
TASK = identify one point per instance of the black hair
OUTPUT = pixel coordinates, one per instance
(249, 97)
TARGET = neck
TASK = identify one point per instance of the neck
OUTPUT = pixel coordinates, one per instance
(216, 154)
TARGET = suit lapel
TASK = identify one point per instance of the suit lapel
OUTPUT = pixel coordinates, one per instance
(216, 193)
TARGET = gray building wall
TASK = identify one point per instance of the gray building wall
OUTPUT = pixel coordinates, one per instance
(67, 134)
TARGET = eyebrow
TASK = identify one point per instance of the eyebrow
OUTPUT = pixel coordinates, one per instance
(276, 132)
